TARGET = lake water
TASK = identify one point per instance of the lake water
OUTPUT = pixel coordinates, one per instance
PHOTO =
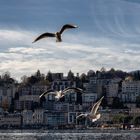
(66, 135)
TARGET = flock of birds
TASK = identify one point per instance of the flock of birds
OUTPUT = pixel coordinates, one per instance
(92, 115)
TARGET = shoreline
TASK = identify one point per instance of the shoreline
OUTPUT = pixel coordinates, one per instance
(68, 131)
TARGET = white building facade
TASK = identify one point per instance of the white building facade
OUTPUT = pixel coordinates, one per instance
(130, 90)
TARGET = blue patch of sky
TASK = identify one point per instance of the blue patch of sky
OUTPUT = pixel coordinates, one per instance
(115, 19)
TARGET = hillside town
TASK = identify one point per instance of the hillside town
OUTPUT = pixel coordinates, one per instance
(21, 107)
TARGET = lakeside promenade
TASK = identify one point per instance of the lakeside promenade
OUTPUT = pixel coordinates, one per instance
(70, 134)
(94, 130)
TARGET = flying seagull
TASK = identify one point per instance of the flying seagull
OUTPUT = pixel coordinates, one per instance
(93, 115)
(60, 94)
(57, 34)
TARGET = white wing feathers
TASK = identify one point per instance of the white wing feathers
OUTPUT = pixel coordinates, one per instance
(81, 116)
(96, 106)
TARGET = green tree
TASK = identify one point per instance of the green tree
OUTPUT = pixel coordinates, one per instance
(103, 70)
(38, 74)
(117, 104)
(49, 76)
(90, 73)
(24, 79)
(83, 78)
(128, 119)
(5, 105)
(32, 80)
(118, 118)
(6, 75)
(70, 75)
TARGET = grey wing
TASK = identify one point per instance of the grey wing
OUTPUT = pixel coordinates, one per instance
(79, 90)
(96, 106)
(67, 26)
(72, 88)
(66, 90)
(44, 35)
(93, 108)
(81, 116)
(46, 92)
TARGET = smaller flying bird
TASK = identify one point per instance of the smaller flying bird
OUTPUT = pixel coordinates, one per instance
(60, 94)
(57, 34)
(93, 115)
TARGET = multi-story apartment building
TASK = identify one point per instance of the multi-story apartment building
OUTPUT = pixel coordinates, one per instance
(38, 116)
(89, 98)
(33, 118)
(72, 117)
(62, 84)
(29, 96)
(55, 118)
(91, 87)
(27, 117)
(112, 89)
(7, 92)
(134, 112)
(10, 120)
(130, 90)
(61, 106)
(57, 76)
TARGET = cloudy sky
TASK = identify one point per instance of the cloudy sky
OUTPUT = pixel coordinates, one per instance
(108, 35)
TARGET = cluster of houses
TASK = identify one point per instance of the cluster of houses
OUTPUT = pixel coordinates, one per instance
(20, 105)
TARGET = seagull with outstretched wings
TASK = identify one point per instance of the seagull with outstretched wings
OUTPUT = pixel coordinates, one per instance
(60, 94)
(57, 34)
(93, 115)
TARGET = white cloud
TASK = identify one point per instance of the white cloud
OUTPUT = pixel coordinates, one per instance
(14, 36)
(28, 50)
(21, 57)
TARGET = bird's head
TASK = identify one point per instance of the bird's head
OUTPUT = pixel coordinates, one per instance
(57, 34)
